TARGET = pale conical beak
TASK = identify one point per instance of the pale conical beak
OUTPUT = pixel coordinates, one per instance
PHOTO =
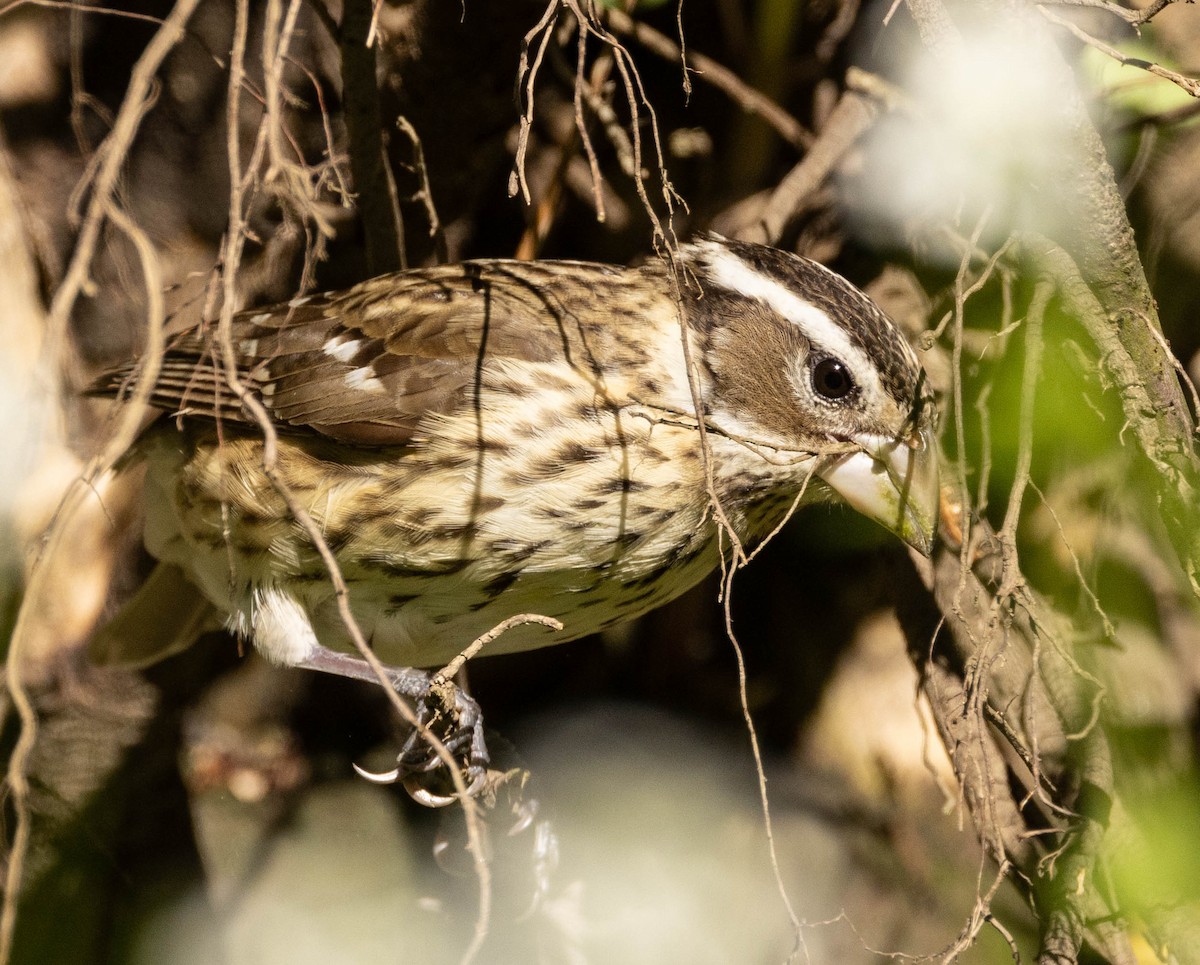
(892, 482)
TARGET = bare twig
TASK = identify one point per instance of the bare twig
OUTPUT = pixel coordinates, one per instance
(599, 70)
(425, 193)
(455, 665)
(1034, 323)
(112, 153)
(1135, 18)
(854, 114)
(82, 8)
(636, 101)
(764, 798)
(541, 33)
(231, 254)
(101, 207)
(746, 97)
(1131, 17)
(585, 88)
(364, 126)
(1189, 84)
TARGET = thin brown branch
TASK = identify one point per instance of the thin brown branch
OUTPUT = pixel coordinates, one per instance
(101, 207)
(425, 192)
(1110, 631)
(82, 8)
(637, 103)
(364, 127)
(764, 798)
(479, 643)
(1035, 320)
(1189, 84)
(112, 154)
(854, 114)
(600, 73)
(635, 95)
(585, 88)
(712, 72)
(527, 70)
(231, 255)
(1131, 17)
(1135, 18)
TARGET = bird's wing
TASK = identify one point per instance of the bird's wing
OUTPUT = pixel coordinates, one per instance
(366, 365)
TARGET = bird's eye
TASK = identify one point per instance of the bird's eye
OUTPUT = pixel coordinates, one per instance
(831, 379)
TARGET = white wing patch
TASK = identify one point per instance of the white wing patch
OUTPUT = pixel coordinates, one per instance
(342, 347)
(364, 380)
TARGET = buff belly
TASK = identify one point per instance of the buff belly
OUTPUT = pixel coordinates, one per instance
(436, 547)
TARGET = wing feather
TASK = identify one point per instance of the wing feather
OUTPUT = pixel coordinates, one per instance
(367, 365)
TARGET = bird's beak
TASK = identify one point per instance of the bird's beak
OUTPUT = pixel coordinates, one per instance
(892, 482)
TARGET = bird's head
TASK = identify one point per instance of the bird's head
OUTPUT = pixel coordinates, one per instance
(801, 359)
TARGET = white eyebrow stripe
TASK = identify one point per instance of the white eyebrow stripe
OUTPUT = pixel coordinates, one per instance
(730, 271)
(909, 351)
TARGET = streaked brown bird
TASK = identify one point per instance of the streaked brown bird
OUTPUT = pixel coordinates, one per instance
(495, 437)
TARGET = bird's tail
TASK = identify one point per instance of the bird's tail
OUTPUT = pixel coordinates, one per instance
(164, 617)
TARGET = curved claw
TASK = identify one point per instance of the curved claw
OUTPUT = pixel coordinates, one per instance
(426, 797)
(526, 814)
(476, 779)
(377, 777)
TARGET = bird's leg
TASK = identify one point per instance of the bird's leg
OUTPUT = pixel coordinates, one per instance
(441, 706)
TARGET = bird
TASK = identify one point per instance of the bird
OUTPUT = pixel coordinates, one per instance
(495, 437)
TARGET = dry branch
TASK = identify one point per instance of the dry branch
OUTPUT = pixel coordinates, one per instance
(102, 206)
(746, 97)
(854, 114)
(364, 127)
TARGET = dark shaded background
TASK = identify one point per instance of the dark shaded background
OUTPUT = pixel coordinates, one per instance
(177, 812)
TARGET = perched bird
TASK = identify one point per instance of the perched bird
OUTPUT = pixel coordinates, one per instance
(489, 438)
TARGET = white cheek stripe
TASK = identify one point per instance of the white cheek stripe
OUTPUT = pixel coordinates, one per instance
(729, 271)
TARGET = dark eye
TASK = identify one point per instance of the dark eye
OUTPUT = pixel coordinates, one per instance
(831, 379)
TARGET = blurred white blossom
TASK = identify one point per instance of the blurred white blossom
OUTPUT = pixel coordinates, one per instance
(986, 123)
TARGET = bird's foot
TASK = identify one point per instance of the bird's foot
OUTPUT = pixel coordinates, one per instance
(454, 720)
(447, 741)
